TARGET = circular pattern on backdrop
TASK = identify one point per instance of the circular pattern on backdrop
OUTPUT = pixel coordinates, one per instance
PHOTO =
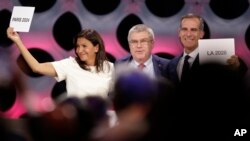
(165, 55)
(58, 89)
(40, 5)
(247, 37)
(101, 7)
(164, 8)
(66, 18)
(110, 57)
(40, 55)
(7, 96)
(123, 28)
(64, 30)
(206, 30)
(4, 24)
(229, 9)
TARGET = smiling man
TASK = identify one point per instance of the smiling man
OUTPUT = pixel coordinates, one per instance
(182, 67)
(190, 31)
(206, 94)
(141, 43)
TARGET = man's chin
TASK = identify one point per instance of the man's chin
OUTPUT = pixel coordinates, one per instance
(189, 45)
(140, 58)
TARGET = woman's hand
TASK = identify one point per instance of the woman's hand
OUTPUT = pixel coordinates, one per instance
(13, 35)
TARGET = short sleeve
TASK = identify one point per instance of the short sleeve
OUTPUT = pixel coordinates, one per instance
(61, 68)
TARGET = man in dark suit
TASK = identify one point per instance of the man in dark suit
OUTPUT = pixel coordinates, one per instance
(206, 94)
(141, 43)
(190, 31)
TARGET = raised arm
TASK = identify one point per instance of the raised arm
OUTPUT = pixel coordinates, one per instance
(41, 68)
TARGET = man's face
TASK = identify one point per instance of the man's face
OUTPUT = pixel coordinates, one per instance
(190, 33)
(141, 45)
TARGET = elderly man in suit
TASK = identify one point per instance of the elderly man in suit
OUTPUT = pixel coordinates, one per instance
(141, 43)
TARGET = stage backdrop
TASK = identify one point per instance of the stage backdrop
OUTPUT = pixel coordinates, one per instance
(55, 22)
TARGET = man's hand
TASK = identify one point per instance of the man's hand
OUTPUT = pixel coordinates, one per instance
(233, 62)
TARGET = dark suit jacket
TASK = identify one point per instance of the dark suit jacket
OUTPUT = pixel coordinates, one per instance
(171, 71)
(160, 64)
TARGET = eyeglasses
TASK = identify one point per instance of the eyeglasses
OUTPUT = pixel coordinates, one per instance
(142, 42)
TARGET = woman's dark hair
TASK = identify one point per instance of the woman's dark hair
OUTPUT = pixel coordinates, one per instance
(95, 38)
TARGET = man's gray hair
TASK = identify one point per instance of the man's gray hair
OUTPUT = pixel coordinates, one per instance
(141, 28)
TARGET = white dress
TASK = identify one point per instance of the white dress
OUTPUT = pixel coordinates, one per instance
(81, 83)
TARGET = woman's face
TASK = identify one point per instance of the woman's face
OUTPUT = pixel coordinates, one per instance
(86, 51)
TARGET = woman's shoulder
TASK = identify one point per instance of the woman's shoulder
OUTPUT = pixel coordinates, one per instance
(69, 59)
(108, 66)
(66, 61)
(108, 63)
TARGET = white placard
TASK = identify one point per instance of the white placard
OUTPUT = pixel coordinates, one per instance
(21, 18)
(216, 50)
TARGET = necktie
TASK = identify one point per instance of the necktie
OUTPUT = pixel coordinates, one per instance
(185, 69)
(141, 66)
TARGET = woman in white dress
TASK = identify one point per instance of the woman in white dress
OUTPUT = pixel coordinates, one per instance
(88, 73)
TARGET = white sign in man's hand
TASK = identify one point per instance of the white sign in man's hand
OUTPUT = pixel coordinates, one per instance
(21, 18)
(216, 50)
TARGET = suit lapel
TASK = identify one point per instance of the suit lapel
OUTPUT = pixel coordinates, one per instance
(196, 63)
(157, 65)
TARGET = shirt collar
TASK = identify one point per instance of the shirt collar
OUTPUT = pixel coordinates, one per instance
(147, 63)
(193, 54)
